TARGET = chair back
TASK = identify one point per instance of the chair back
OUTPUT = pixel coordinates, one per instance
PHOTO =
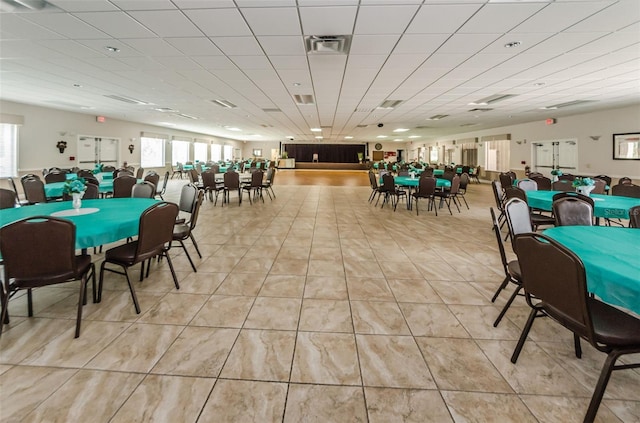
(572, 209)
(562, 185)
(556, 277)
(515, 192)
(55, 176)
(194, 177)
(498, 194)
(388, 182)
(505, 180)
(455, 185)
(215, 168)
(605, 178)
(464, 181)
(625, 180)
(543, 183)
(528, 185)
(121, 172)
(518, 217)
(634, 217)
(123, 185)
(231, 180)
(373, 181)
(188, 196)
(162, 190)
(84, 173)
(153, 177)
(449, 175)
(37, 249)
(34, 190)
(155, 230)
(599, 186)
(566, 177)
(92, 192)
(195, 211)
(426, 187)
(256, 179)
(626, 190)
(496, 230)
(139, 173)
(144, 189)
(428, 172)
(208, 179)
(7, 198)
(29, 176)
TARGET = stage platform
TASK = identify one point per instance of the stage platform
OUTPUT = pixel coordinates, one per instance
(331, 166)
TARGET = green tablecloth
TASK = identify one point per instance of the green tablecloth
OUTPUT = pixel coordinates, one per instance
(54, 189)
(407, 181)
(611, 257)
(117, 218)
(609, 206)
(438, 172)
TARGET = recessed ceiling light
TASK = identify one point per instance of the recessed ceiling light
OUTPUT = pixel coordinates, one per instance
(539, 84)
(224, 103)
(400, 130)
(381, 136)
(77, 85)
(414, 136)
(296, 84)
(255, 135)
(398, 139)
(167, 124)
(348, 137)
(389, 104)
(512, 44)
(319, 137)
(316, 129)
(112, 49)
(232, 128)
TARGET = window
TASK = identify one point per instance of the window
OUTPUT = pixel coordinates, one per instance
(179, 152)
(497, 155)
(228, 152)
(200, 151)
(151, 152)
(8, 150)
(216, 152)
(257, 152)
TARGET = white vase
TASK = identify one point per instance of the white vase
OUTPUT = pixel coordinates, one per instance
(585, 189)
(554, 178)
(77, 199)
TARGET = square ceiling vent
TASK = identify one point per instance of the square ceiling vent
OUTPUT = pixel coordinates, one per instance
(328, 44)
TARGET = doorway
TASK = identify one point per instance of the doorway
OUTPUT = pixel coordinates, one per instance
(400, 157)
(92, 150)
(549, 155)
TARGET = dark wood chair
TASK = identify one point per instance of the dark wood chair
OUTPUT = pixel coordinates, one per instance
(155, 233)
(634, 217)
(144, 189)
(572, 209)
(192, 198)
(426, 189)
(626, 190)
(546, 265)
(267, 184)
(449, 195)
(55, 176)
(232, 183)
(122, 186)
(40, 251)
(255, 186)
(390, 191)
(562, 185)
(8, 199)
(161, 190)
(34, 190)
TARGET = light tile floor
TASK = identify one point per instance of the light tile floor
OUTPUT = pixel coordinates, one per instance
(314, 307)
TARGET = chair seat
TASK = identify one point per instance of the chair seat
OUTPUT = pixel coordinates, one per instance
(82, 265)
(614, 327)
(123, 254)
(514, 269)
(180, 231)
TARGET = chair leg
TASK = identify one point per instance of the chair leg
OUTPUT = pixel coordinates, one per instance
(173, 272)
(4, 315)
(465, 202)
(30, 302)
(502, 286)
(523, 336)
(507, 305)
(577, 346)
(195, 244)
(184, 247)
(133, 291)
(417, 213)
(603, 380)
(83, 286)
(142, 271)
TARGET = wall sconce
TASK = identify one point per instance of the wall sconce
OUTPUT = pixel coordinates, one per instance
(131, 147)
(61, 145)
(519, 142)
(595, 137)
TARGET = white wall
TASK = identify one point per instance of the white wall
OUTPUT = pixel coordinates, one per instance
(43, 127)
(594, 157)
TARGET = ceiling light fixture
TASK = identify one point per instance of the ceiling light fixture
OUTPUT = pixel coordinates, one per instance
(319, 137)
(348, 137)
(491, 99)
(414, 136)
(389, 104)
(296, 84)
(112, 49)
(127, 99)
(224, 103)
(398, 139)
(401, 130)
(567, 104)
(437, 117)
(512, 44)
(232, 128)
(303, 99)
(316, 129)
(381, 136)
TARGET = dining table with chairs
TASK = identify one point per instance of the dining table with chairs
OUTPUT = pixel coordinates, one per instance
(606, 206)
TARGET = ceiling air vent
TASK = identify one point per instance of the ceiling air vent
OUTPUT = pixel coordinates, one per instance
(492, 99)
(567, 104)
(186, 116)
(468, 124)
(361, 126)
(224, 103)
(480, 109)
(328, 44)
(126, 99)
(303, 99)
(437, 117)
(363, 110)
(266, 125)
(272, 110)
(389, 104)
(424, 127)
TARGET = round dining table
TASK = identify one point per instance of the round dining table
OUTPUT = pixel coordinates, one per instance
(98, 222)
(608, 206)
(611, 258)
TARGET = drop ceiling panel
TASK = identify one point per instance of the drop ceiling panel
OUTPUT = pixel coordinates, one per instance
(265, 3)
(611, 43)
(200, 4)
(373, 44)
(526, 41)
(557, 17)
(24, 48)
(238, 46)
(251, 62)
(564, 41)
(215, 62)
(178, 63)
(327, 20)
(219, 22)
(167, 23)
(384, 19)
(116, 24)
(273, 21)
(494, 18)
(612, 18)
(282, 46)
(467, 43)
(65, 24)
(152, 47)
(84, 6)
(289, 62)
(441, 18)
(70, 48)
(194, 46)
(15, 27)
(423, 44)
(144, 4)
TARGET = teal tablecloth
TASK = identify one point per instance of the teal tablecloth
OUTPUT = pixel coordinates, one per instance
(611, 257)
(609, 206)
(438, 172)
(407, 181)
(54, 189)
(117, 218)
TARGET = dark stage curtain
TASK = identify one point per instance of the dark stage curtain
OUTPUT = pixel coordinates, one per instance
(327, 153)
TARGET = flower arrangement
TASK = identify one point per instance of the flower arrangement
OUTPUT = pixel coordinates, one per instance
(74, 186)
(583, 182)
(556, 172)
(61, 145)
(97, 168)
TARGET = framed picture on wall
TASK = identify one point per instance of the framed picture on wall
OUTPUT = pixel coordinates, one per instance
(626, 146)
(257, 152)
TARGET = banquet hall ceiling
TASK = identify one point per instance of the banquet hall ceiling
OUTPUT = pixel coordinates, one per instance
(474, 63)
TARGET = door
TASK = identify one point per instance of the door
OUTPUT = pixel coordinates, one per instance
(549, 155)
(400, 155)
(92, 150)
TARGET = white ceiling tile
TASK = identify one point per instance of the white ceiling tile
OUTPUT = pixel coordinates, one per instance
(70, 48)
(144, 4)
(15, 27)
(116, 24)
(328, 2)
(495, 18)
(283, 46)
(373, 44)
(238, 46)
(441, 18)
(404, 61)
(366, 61)
(423, 44)
(24, 49)
(203, 4)
(526, 40)
(215, 62)
(611, 42)
(265, 3)
(327, 20)
(65, 24)
(152, 47)
(167, 23)
(273, 21)
(613, 18)
(139, 63)
(177, 62)
(219, 22)
(289, 62)
(109, 64)
(327, 62)
(389, 2)
(467, 43)
(100, 46)
(384, 19)
(194, 46)
(564, 42)
(556, 17)
(251, 62)
(83, 5)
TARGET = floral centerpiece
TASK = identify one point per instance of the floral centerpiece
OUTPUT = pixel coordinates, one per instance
(583, 185)
(76, 188)
(555, 173)
(97, 168)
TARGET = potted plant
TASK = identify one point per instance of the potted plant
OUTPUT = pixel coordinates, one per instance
(583, 186)
(76, 188)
